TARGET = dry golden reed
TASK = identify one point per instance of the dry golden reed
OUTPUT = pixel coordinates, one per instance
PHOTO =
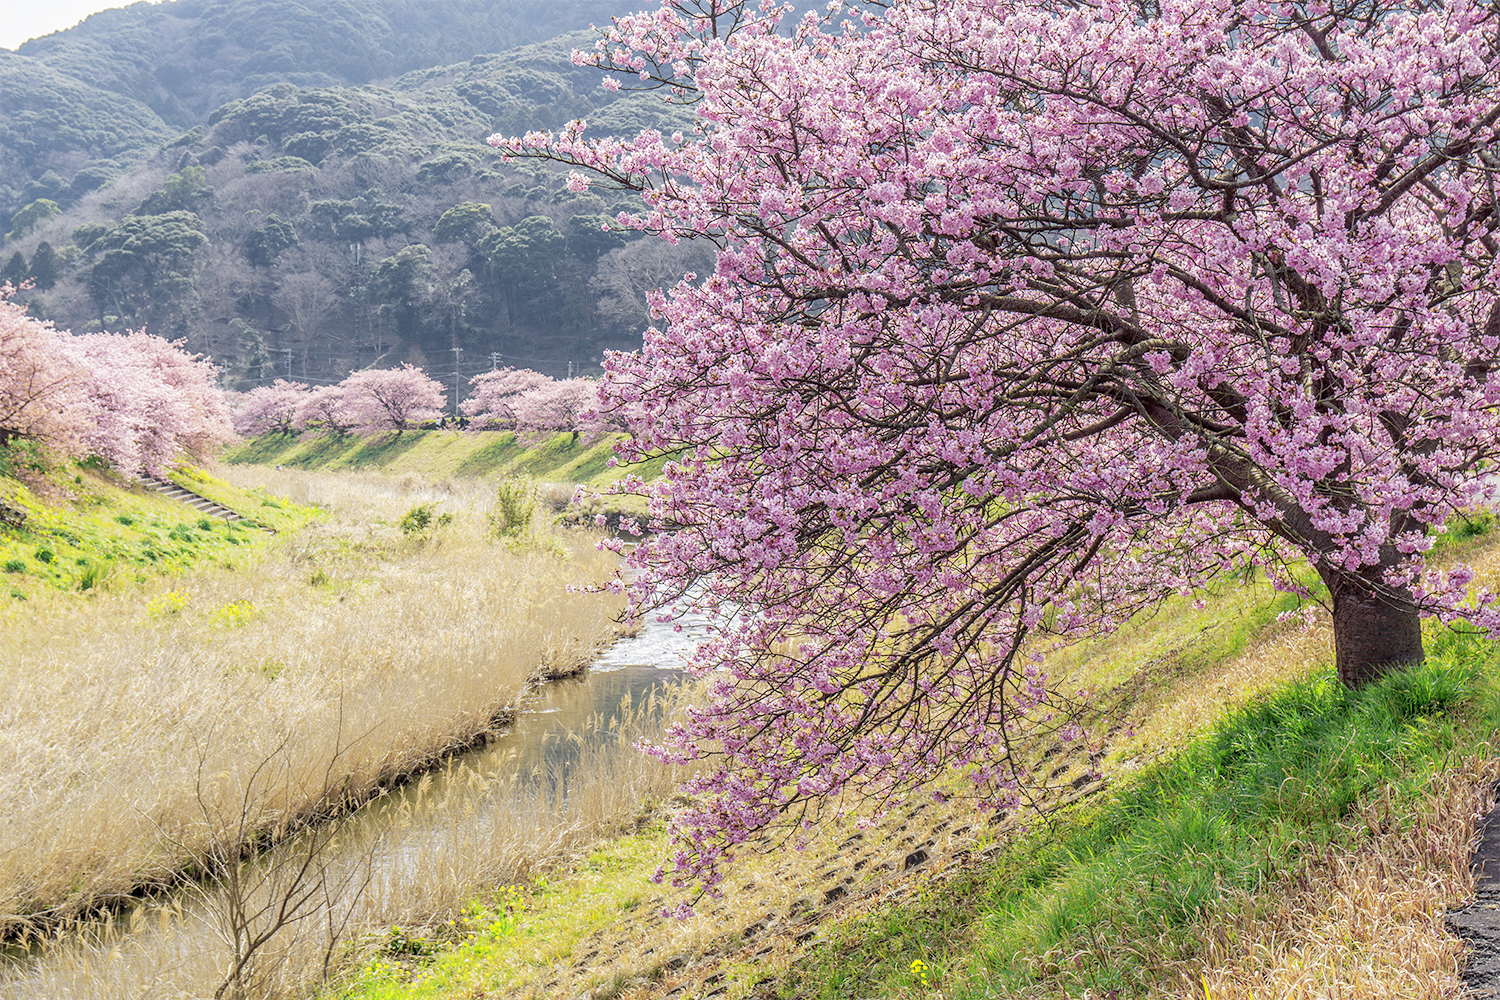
(410, 862)
(1363, 921)
(348, 654)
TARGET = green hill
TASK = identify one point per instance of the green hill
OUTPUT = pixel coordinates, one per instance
(302, 189)
(171, 64)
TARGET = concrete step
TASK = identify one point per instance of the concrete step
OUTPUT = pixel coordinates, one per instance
(183, 495)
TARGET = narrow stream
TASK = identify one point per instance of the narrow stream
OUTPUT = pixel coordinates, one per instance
(395, 846)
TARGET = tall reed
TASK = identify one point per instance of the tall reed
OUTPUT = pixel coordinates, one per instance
(133, 719)
(412, 861)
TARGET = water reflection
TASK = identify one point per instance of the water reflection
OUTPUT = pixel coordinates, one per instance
(446, 821)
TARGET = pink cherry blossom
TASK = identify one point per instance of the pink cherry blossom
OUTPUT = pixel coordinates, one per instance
(392, 399)
(1026, 316)
(491, 404)
(150, 403)
(271, 409)
(559, 405)
(42, 384)
(132, 399)
(326, 407)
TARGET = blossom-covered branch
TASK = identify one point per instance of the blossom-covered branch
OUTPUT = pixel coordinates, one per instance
(1026, 316)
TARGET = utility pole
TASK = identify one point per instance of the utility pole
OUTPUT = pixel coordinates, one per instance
(355, 295)
(457, 355)
(494, 361)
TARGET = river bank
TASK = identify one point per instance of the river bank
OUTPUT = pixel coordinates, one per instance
(1255, 830)
(347, 656)
(564, 774)
(933, 900)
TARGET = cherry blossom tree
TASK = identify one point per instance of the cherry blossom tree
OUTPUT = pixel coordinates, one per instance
(1026, 316)
(41, 381)
(196, 420)
(326, 407)
(150, 403)
(271, 409)
(133, 399)
(560, 405)
(491, 404)
(398, 399)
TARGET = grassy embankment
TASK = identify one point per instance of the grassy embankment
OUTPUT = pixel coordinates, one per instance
(88, 530)
(142, 721)
(1304, 846)
(1258, 832)
(440, 454)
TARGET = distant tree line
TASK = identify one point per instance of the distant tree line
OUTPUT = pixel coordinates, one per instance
(399, 399)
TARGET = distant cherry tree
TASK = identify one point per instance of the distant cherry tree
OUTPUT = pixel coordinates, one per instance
(196, 421)
(271, 409)
(560, 405)
(134, 400)
(491, 403)
(1025, 317)
(42, 382)
(326, 407)
(395, 399)
(149, 403)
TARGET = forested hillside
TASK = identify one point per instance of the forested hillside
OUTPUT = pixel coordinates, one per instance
(301, 188)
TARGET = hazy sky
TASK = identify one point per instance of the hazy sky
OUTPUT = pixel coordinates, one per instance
(23, 19)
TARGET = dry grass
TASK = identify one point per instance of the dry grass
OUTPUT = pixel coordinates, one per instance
(1362, 921)
(411, 862)
(348, 654)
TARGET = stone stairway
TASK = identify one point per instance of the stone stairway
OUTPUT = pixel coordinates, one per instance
(197, 502)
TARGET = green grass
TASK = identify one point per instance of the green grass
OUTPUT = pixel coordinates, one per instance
(1105, 897)
(557, 458)
(1109, 899)
(277, 513)
(495, 453)
(521, 927)
(86, 530)
(438, 454)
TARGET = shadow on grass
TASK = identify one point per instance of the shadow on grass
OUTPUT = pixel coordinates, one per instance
(594, 463)
(380, 449)
(321, 451)
(492, 457)
(540, 459)
(550, 455)
(268, 449)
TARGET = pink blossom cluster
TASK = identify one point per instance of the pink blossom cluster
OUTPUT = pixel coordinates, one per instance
(134, 400)
(525, 401)
(368, 402)
(1026, 316)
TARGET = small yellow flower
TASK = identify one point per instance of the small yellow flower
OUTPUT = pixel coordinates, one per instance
(919, 969)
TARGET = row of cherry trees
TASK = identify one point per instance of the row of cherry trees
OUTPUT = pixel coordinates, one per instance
(132, 399)
(399, 399)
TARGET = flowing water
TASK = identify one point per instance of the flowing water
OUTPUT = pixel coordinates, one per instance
(386, 858)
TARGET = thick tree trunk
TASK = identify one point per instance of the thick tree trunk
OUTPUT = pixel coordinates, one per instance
(1374, 632)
